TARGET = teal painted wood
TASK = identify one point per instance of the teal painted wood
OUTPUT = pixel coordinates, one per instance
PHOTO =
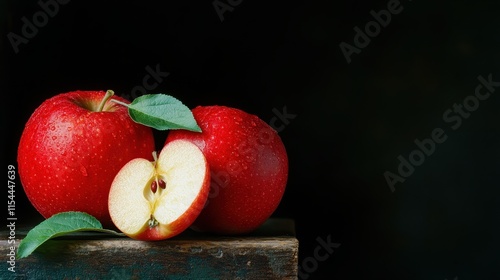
(269, 253)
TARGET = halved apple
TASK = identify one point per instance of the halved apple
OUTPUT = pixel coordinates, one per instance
(160, 199)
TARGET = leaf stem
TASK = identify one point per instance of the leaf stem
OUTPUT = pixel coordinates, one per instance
(108, 94)
(119, 102)
(108, 231)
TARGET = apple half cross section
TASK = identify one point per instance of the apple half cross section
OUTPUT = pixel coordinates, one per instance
(160, 199)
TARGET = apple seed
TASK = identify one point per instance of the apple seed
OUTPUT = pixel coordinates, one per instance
(162, 184)
(156, 183)
(154, 186)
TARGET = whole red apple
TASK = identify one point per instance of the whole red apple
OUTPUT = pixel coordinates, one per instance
(248, 164)
(72, 147)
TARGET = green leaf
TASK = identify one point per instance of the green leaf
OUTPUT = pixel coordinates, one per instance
(57, 225)
(162, 112)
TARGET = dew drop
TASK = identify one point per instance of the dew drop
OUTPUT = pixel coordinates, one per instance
(83, 170)
(54, 137)
(52, 128)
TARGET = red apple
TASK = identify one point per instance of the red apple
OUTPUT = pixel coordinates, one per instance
(72, 147)
(248, 164)
(160, 199)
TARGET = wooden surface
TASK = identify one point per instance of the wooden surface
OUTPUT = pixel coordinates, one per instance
(269, 253)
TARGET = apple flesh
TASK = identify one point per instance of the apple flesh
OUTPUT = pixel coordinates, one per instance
(71, 149)
(248, 164)
(160, 199)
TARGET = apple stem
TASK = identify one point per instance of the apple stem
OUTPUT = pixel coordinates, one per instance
(155, 157)
(108, 95)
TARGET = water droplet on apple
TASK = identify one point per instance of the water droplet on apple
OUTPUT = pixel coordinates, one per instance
(54, 137)
(252, 123)
(52, 128)
(83, 170)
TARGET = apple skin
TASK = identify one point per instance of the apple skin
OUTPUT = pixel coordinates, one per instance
(68, 154)
(248, 164)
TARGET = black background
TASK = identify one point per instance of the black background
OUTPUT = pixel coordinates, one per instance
(352, 120)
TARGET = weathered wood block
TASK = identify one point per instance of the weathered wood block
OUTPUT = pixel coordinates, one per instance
(269, 253)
